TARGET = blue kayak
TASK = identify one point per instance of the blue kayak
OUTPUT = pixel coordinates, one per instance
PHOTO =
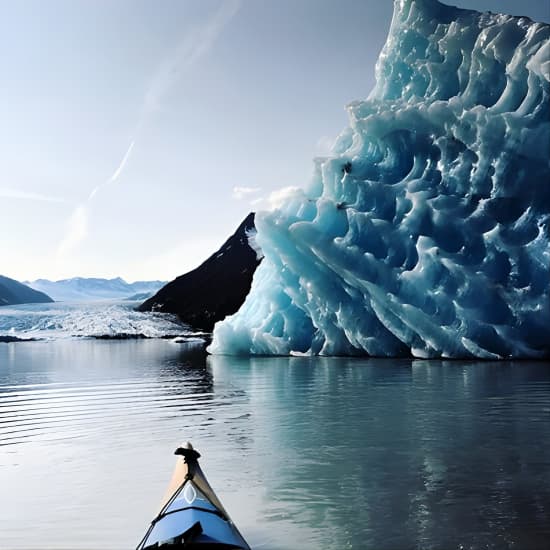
(191, 515)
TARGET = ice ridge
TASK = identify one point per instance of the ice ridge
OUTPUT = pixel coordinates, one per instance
(427, 230)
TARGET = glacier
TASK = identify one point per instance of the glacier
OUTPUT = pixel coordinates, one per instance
(104, 320)
(426, 232)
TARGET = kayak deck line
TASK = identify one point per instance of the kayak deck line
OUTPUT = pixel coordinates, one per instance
(215, 512)
(191, 515)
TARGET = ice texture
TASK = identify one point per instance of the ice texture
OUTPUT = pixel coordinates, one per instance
(87, 320)
(427, 230)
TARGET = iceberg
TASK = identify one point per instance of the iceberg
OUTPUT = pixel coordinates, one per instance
(427, 230)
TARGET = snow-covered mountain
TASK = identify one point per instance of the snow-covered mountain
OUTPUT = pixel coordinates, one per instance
(82, 289)
(14, 292)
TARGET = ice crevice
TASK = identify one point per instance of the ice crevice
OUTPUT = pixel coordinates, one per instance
(426, 232)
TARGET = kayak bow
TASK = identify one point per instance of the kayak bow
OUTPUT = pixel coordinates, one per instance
(191, 515)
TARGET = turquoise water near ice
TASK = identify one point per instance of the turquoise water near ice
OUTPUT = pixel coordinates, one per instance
(306, 453)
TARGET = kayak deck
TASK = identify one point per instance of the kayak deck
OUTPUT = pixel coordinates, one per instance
(191, 515)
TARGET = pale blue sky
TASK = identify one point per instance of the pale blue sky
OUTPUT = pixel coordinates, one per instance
(127, 125)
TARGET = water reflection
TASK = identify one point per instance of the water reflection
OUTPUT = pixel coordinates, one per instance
(406, 454)
(88, 429)
(312, 453)
(72, 389)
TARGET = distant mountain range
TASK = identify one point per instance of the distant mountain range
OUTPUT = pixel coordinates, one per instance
(81, 289)
(14, 292)
(217, 287)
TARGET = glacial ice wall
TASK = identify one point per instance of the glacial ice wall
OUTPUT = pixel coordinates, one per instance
(427, 231)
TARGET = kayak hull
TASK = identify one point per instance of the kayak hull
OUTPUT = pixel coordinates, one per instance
(191, 515)
(215, 531)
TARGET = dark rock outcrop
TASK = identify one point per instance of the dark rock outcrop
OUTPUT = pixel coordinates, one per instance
(216, 288)
(13, 292)
(10, 339)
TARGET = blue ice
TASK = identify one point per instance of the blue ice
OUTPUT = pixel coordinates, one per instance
(427, 230)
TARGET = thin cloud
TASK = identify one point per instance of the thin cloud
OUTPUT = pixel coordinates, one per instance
(195, 44)
(244, 192)
(277, 198)
(122, 164)
(77, 225)
(116, 173)
(281, 196)
(257, 201)
(77, 229)
(8, 193)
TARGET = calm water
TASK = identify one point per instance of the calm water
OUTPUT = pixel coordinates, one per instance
(305, 453)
